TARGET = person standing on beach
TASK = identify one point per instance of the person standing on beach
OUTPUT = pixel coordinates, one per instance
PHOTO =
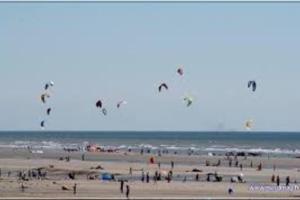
(170, 174)
(122, 186)
(143, 176)
(278, 180)
(236, 163)
(83, 157)
(259, 167)
(287, 181)
(75, 188)
(172, 164)
(127, 191)
(22, 187)
(155, 176)
(197, 177)
(130, 171)
(273, 178)
(147, 177)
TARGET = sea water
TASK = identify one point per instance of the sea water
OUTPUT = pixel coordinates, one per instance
(277, 143)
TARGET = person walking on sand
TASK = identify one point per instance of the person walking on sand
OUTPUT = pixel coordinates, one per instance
(83, 157)
(130, 171)
(122, 186)
(287, 181)
(75, 188)
(172, 164)
(278, 180)
(127, 191)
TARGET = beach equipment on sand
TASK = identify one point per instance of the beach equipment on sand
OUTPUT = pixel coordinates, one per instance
(106, 176)
(65, 187)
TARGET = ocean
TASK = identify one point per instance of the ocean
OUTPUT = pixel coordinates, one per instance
(277, 143)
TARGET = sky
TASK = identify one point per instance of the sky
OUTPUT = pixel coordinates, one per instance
(123, 51)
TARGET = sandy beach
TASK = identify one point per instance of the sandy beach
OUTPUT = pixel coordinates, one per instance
(183, 184)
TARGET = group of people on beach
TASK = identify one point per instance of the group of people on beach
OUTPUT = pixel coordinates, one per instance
(158, 175)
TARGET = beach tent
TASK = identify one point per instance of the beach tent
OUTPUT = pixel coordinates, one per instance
(106, 176)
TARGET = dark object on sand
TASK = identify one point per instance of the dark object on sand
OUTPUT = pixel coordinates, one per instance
(217, 178)
(127, 191)
(75, 188)
(229, 153)
(196, 170)
(64, 187)
(99, 167)
(254, 154)
(297, 156)
(71, 175)
(23, 187)
(240, 153)
(230, 191)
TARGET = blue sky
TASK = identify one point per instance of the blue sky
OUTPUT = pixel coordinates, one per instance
(114, 51)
